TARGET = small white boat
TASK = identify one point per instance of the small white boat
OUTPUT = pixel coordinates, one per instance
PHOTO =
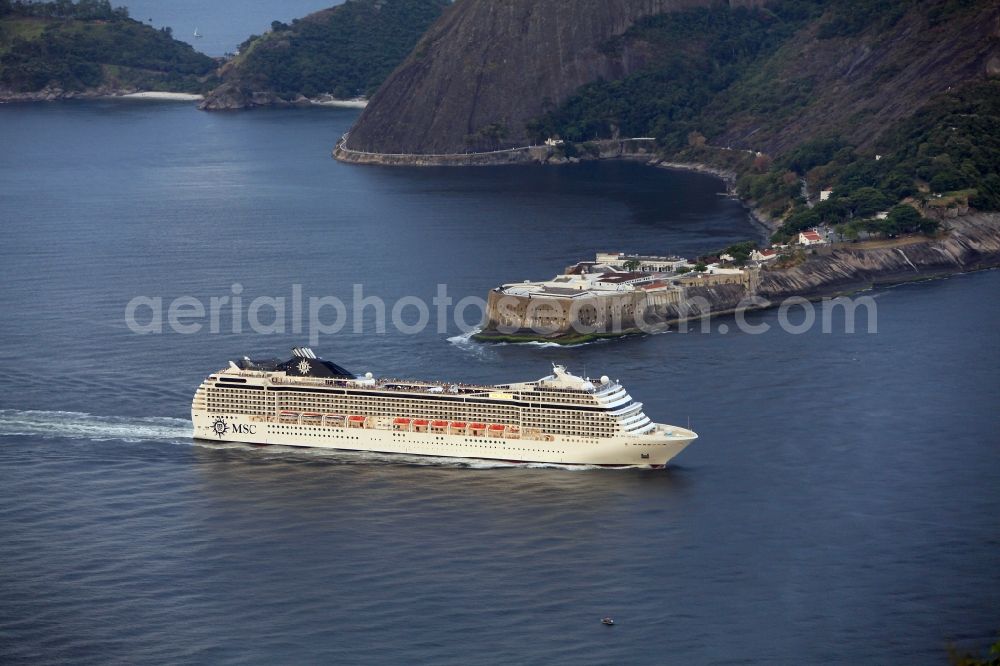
(608, 621)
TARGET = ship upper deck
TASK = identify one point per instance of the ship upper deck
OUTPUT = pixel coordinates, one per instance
(561, 386)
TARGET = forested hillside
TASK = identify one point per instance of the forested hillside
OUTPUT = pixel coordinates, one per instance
(88, 45)
(346, 51)
(881, 101)
(877, 101)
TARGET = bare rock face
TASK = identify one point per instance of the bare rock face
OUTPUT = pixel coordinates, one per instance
(226, 97)
(972, 242)
(487, 67)
(861, 85)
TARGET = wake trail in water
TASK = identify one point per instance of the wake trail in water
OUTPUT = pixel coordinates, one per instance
(94, 428)
(81, 425)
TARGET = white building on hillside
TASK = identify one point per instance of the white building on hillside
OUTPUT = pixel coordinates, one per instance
(810, 237)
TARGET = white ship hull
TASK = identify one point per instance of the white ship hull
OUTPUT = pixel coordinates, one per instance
(653, 450)
(311, 402)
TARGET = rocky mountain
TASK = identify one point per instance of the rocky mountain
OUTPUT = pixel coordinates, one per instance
(344, 51)
(486, 68)
(857, 75)
(880, 102)
(759, 75)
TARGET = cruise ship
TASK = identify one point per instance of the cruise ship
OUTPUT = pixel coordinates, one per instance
(311, 402)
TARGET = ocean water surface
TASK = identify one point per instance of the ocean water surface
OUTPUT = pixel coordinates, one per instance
(222, 24)
(841, 505)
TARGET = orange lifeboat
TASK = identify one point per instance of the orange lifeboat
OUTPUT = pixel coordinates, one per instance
(458, 425)
(402, 421)
(439, 424)
(496, 427)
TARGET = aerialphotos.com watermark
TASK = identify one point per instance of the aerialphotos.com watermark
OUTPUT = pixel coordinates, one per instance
(319, 316)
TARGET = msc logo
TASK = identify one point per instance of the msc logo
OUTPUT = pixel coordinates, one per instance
(220, 428)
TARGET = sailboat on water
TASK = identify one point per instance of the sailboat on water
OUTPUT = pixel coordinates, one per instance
(196, 34)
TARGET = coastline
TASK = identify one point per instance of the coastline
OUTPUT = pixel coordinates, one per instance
(622, 149)
(58, 95)
(230, 98)
(166, 96)
(970, 244)
(892, 280)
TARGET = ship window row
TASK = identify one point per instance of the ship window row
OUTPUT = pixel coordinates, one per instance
(411, 401)
(395, 411)
(485, 444)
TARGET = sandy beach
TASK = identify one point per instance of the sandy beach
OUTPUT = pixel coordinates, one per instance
(175, 96)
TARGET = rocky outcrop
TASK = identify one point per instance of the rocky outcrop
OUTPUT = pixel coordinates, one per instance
(575, 319)
(486, 68)
(970, 243)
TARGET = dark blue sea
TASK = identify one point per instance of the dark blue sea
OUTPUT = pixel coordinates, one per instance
(841, 506)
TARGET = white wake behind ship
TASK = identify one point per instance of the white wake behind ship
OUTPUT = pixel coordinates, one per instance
(311, 402)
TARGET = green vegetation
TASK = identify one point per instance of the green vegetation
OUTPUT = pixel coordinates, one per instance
(89, 44)
(902, 219)
(346, 51)
(966, 659)
(740, 252)
(721, 72)
(489, 137)
(946, 154)
(698, 54)
(850, 19)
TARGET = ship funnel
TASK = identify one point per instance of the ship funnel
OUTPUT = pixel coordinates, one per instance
(296, 352)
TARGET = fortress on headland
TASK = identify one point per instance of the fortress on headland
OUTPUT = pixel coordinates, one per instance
(613, 295)
(617, 294)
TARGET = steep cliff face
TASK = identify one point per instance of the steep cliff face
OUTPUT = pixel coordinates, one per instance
(486, 68)
(769, 81)
(857, 85)
(972, 242)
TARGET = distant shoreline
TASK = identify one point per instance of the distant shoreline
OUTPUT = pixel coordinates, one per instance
(236, 100)
(58, 95)
(171, 96)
